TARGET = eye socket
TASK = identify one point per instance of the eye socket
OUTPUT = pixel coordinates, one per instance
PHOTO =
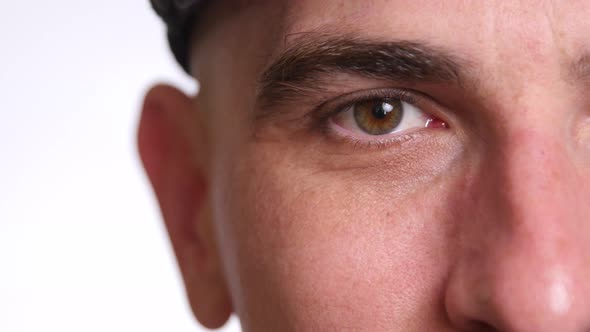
(383, 116)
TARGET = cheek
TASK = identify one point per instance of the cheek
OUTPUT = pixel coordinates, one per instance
(309, 249)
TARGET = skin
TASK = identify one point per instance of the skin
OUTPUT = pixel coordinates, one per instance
(481, 226)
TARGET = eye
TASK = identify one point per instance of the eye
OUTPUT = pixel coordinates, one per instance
(383, 116)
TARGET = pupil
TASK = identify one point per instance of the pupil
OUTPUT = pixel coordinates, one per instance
(381, 110)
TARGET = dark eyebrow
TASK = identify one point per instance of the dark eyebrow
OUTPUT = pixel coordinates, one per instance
(299, 69)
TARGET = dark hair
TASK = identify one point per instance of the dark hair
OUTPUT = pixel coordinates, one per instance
(180, 17)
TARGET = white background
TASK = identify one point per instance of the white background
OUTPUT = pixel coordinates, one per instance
(82, 247)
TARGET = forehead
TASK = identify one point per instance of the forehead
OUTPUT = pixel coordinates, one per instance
(521, 32)
(464, 23)
(372, 13)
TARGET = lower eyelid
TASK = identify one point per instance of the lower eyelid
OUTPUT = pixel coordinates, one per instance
(341, 133)
(389, 142)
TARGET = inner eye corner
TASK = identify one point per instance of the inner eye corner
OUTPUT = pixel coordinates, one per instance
(434, 122)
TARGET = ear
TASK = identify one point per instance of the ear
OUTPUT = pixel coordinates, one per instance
(174, 163)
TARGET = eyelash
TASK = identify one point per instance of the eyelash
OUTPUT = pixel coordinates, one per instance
(328, 109)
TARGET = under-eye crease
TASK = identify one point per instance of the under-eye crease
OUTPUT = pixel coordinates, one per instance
(378, 117)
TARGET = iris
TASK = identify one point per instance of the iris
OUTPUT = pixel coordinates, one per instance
(378, 117)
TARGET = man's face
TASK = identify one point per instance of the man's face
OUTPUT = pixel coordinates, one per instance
(401, 165)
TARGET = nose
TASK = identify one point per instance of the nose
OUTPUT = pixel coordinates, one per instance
(523, 262)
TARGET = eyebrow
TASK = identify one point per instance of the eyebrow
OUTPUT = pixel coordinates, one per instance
(301, 67)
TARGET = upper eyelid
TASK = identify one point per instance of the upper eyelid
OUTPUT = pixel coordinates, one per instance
(338, 104)
(311, 56)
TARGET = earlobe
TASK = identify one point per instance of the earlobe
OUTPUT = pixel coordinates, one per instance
(173, 164)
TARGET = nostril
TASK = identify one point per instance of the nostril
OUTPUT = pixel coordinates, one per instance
(481, 326)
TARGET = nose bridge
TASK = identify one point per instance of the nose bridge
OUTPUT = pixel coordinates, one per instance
(537, 177)
(537, 275)
(523, 263)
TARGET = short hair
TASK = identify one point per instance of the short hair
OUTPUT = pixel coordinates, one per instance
(180, 17)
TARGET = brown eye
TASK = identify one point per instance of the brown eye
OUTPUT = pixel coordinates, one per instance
(382, 117)
(378, 117)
